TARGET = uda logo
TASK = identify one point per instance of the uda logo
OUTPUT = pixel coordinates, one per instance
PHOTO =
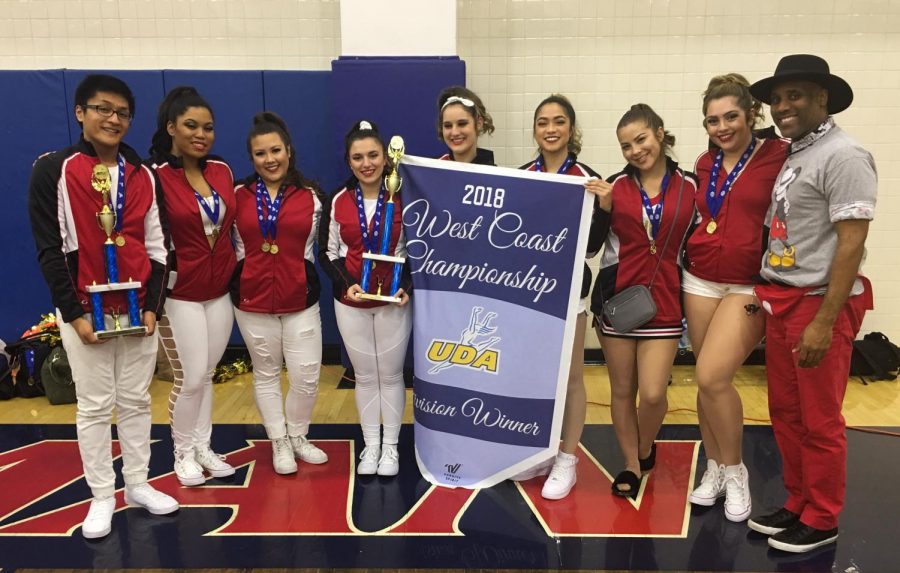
(474, 349)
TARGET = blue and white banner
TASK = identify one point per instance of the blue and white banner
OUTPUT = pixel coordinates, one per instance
(497, 259)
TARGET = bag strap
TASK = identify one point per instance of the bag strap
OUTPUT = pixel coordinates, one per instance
(671, 229)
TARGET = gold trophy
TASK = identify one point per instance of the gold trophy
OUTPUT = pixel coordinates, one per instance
(106, 218)
(392, 183)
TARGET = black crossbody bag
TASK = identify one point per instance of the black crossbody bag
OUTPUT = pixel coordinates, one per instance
(634, 307)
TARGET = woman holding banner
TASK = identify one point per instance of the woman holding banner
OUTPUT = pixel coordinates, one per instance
(198, 198)
(650, 211)
(559, 142)
(462, 117)
(275, 289)
(375, 333)
(723, 255)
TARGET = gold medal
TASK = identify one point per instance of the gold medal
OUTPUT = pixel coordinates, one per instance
(120, 241)
(266, 247)
(711, 226)
(274, 249)
(653, 248)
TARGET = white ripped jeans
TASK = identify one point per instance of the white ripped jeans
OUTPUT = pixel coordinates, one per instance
(296, 340)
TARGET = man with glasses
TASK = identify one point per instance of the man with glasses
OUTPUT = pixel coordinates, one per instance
(67, 194)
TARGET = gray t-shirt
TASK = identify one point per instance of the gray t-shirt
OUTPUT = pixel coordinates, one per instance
(828, 177)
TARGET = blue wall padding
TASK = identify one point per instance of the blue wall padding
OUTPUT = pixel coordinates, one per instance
(147, 87)
(235, 97)
(398, 94)
(303, 100)
(36, 111)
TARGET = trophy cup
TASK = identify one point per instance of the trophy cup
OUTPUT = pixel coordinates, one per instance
(106, 218)
(392, 183)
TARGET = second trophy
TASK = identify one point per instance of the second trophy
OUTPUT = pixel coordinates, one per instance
(392, 184)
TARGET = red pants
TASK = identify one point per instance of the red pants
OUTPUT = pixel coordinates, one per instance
(805, 406)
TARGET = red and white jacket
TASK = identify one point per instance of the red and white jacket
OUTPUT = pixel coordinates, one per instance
(341, 248)
(733, 253)
(203, 273)
(63, 208)
(286, 281)
(627, 261)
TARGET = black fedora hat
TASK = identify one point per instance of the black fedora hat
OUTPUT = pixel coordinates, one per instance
(810, 68)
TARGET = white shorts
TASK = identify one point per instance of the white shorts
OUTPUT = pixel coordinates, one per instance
(710, 289)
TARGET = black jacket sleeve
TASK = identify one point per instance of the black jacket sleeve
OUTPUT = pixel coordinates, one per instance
(60, 269)
(335, 268)
(156, 241)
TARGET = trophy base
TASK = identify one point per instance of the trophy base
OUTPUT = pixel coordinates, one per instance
(379, 297)
(128, 331)
(384, 258)
(110, 287)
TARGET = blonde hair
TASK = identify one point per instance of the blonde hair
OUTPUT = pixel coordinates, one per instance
(736, 86)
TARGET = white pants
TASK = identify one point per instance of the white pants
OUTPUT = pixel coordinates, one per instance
(113, 375)
(194, 335)
(295, 339)
(376, 341)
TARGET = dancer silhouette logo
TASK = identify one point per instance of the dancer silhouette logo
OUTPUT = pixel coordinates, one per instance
(474, 349)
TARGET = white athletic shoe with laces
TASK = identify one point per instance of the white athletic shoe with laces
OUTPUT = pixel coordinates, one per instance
(98, 522)
(368, 460)
(307, 451)
(389, 463)
(146, 496)
(737, 493)
(562, 477)
(187, 470)
(283, 456)
(212, 462)
(711, 486)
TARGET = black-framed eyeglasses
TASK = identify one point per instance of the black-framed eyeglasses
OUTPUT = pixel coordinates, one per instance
(106, 111)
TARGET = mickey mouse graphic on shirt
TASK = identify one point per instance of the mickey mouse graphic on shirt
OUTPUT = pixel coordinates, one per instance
(778, 230)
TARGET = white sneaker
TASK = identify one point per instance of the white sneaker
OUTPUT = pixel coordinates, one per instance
(737, 493)
(368, 460)
(187, 470)
(156, 502)
(98, 522)
(283, 456)
(534, 471)
(307, 451)
(711, 486)
(389, 463)
(212, 462)
(562, 477)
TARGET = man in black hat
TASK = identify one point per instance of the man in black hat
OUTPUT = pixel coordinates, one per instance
(822, 203)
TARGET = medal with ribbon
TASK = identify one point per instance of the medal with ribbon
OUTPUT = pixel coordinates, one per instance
(653, 212)
(268, 222)
(212, 213)
(370, 240)
(120, 202)
(715, 200)
(564, 168)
